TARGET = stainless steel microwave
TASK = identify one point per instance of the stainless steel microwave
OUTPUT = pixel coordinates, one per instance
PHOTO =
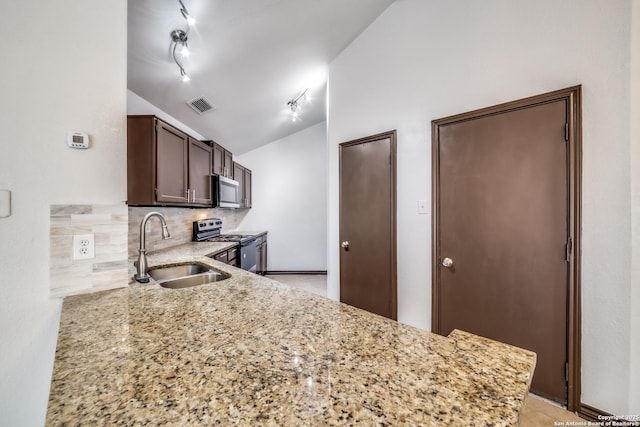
(226, 192)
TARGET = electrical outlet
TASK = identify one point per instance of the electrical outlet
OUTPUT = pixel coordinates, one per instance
(83, 246)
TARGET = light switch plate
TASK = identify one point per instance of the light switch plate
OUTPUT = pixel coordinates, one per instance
(422, 207)
(5, 203)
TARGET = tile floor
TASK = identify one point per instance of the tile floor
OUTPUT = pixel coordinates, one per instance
(536, 412)
(316, 283)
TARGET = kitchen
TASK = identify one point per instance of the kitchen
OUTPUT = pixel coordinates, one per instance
(41, 171)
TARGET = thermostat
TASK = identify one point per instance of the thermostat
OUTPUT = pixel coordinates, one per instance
(77, 140)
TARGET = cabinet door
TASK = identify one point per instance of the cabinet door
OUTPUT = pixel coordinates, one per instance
(200, 172)
(232, 256)
(228, 164)
(259, 266)
(238, 175)
(233, 262)
(263, 260)
(171, 175)
(247, 188)
(218, 159)
(141, 164)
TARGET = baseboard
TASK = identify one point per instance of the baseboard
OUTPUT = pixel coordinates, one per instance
(590, 413)
(303, 272)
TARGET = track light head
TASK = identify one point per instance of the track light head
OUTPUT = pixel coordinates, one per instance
(295, 106)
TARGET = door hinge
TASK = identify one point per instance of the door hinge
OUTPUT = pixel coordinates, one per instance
(568, 249)
(566, 131)
(566, 371)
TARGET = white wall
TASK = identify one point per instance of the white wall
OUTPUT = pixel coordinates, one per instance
(289, 199)
(634, 381)
(422, 60)
(64, 69)
(137, 105)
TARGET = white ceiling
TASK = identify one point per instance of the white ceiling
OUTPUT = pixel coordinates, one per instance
(248, 57)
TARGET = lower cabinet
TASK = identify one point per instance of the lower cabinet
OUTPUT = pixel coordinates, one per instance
(261, 255)
(230, 256)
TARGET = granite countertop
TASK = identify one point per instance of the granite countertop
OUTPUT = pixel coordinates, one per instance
(186, 252)
(252, 351)
(246, 232)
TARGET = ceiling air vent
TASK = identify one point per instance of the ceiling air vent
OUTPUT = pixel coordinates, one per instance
(200, 104)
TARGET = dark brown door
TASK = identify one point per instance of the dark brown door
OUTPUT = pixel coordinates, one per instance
(502, 230)
(172, 164)
(200, 172)
(367, 224)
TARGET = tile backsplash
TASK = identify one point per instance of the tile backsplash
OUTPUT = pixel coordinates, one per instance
(179, 223)
(108, 270)
(116, 230)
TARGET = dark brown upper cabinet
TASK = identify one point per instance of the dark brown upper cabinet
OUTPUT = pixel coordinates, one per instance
(200, 163)
(243, 176)
(222, 160)
(165, 166)
(172, 165)
(247, 188)
(238, 175)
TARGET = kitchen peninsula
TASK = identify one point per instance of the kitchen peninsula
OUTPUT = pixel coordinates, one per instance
(252, 351)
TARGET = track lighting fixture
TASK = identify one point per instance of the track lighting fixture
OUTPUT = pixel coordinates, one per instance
(295, 104)
(181, 37)
(190, 19)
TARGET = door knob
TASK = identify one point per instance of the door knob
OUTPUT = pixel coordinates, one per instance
(447, 262)
(345, 244)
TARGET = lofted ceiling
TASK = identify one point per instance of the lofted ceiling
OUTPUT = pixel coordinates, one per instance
(248, 58)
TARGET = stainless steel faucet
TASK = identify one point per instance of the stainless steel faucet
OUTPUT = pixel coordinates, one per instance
(141, 265)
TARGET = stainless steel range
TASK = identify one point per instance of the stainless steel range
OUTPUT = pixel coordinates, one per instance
(209, 230)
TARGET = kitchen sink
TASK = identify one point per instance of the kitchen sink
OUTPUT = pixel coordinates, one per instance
(186, 275)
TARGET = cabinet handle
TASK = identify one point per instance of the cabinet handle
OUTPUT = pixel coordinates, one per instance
(191, 195)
